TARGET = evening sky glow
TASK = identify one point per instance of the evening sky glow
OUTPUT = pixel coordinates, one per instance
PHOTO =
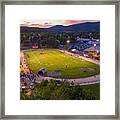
(50, 23)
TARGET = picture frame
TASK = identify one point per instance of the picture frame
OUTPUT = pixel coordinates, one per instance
(2, 67)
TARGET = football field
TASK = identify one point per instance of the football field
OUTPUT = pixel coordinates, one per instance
(53, 59)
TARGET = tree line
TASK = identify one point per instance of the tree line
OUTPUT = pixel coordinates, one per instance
(50, 90)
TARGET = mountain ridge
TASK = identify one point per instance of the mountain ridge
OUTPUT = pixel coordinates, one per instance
(88, 26)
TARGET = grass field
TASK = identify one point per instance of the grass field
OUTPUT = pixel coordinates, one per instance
(52, 59)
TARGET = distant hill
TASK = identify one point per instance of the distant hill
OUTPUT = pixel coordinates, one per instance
(88, 26)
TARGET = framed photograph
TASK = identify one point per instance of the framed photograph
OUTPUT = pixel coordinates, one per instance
(59, 59)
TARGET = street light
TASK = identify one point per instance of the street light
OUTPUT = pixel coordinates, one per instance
(97, 51)
(94, 45)
(68, 41)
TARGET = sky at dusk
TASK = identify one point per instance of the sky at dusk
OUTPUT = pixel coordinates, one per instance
(50, 23)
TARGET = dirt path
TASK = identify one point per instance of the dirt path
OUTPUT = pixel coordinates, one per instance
(91, 79)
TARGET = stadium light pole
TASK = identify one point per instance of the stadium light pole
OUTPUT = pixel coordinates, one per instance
(68, 41)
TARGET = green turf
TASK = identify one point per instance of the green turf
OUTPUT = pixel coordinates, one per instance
(52, 59)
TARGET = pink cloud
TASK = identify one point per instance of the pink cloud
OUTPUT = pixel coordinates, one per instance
(67, 22)
(40, 25)
(51, 23)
